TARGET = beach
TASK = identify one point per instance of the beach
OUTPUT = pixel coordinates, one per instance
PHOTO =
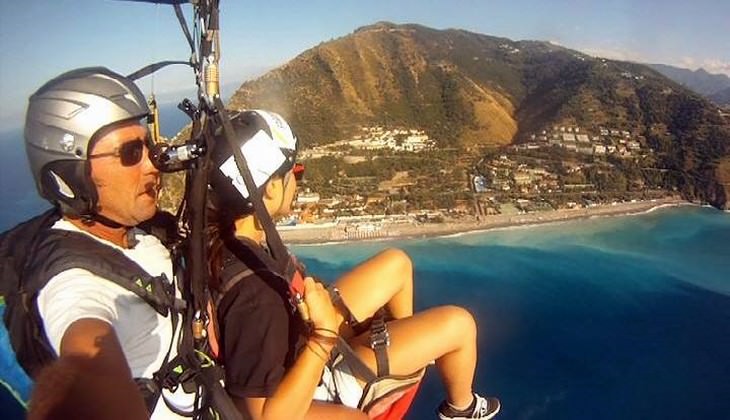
(314, 234)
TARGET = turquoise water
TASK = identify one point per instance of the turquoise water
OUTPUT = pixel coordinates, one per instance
(604, 318)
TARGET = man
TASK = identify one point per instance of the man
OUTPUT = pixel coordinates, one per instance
(87, 148)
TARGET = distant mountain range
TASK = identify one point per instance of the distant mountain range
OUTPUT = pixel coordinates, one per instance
(715, 87)
(466, 89)
(721, 97)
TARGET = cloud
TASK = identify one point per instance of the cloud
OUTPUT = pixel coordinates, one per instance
(688, 62)
(711, 65)
(714, 65)
(613, 53)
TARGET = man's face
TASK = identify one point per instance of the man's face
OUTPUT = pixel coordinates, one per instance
(127, 188)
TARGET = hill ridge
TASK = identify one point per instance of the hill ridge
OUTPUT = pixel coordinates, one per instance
(470, 90)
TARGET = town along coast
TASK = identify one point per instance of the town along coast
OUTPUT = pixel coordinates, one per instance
(412, 226)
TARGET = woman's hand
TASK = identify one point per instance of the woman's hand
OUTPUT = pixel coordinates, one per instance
(321, 311)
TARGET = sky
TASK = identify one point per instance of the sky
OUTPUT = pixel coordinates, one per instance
(40, 39)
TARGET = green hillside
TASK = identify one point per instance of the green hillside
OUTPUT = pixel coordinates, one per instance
(473, 91)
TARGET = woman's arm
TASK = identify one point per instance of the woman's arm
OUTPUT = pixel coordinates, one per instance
(293, 396)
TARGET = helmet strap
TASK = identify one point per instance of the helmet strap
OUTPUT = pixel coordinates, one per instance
(97, 218)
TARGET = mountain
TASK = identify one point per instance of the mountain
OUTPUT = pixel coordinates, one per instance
(721, 97)
(466, 89)
(700, 81)
(394, 75)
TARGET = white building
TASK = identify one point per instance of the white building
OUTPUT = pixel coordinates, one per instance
(599, 149)
(307, 198)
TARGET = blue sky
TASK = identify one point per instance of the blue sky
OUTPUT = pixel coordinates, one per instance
(42, 38)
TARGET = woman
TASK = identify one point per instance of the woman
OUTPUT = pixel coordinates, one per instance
(273, 366)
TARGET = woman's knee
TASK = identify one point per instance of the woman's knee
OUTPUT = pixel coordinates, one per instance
(398, 258)
(460, 321)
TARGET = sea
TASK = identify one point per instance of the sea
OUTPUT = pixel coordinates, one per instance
(604, 318)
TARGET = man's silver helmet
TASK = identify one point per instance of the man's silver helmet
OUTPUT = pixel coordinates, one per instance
(63, 117)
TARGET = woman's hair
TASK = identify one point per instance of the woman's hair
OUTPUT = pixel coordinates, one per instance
(219, 228)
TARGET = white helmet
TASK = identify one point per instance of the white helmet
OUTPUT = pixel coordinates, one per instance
(269, 147)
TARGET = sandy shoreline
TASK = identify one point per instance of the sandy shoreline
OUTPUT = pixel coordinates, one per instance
(450, 227)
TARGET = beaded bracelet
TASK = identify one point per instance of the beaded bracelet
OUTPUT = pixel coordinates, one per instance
(326, 356)
(330, 333)
(321, 339)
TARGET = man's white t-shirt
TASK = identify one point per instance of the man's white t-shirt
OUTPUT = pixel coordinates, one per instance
(144, 334)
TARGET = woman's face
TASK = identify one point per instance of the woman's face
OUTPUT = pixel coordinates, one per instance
(290, 191)
(283, 191)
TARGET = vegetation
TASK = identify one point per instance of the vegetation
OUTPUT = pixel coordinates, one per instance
(470, 92)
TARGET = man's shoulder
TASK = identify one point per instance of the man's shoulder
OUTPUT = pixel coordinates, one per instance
(65, 246)
(143, 239)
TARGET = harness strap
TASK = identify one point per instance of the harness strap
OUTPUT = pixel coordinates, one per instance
(210, 380)
(358, 367)
(379, 342)
(229, 283)
(151, 389)
(109, 263)
(379, 337)
(340, 305)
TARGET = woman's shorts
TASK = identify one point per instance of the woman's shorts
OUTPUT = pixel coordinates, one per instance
(338, 384)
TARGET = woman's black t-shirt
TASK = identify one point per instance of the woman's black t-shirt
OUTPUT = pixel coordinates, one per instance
(260, 332)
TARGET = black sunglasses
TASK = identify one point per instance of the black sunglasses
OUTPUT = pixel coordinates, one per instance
(129, 154)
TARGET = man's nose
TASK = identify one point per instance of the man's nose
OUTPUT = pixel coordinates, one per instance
(149, 167)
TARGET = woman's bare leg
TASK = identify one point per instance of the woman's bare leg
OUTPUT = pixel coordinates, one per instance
(385, 280)
(446, 334)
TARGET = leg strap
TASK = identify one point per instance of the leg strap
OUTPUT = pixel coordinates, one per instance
(342, 307)
(379, 337)
(379, 342)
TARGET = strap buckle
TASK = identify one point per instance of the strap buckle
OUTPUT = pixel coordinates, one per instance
(379, 341)
(336, 298)
(379, 336)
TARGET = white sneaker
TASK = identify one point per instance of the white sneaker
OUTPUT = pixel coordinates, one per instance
(484, 408)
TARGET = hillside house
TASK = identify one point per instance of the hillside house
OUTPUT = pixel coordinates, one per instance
(307, 198)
